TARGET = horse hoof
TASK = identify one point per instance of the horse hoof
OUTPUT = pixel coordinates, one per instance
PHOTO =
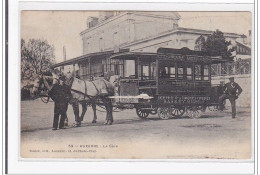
(78, 124)
(109, 122)
(106, 123)
(94, 121)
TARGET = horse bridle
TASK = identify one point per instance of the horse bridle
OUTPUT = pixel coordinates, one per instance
(43, 80)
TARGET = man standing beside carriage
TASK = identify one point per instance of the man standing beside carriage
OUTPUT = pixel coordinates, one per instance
(60, 94)
(231, 91)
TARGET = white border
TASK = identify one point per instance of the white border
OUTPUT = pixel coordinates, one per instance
(170, 166)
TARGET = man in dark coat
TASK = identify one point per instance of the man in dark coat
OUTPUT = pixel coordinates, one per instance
(60, 94)
(231, 91)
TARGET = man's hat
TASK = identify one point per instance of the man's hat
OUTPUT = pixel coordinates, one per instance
(231, 78)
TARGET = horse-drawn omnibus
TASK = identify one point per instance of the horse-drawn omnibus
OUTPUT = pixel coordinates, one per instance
(169, 82)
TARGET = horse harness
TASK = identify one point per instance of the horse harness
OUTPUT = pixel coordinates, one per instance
(92, 98)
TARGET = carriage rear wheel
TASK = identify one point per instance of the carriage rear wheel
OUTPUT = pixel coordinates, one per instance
(142, 113)
(164, 113)
(177, 111)
(194, 112)
(213, 108)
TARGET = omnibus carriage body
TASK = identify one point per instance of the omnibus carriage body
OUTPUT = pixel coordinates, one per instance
(169, 82)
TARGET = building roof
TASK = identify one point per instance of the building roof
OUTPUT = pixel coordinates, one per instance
(179, 30)
(208, 32)
(245, 45)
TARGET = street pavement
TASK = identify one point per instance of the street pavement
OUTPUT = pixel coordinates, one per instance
(215, 135)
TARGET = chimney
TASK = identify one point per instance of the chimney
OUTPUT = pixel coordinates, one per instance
(92, 22)
(104, 15)
(64, 53)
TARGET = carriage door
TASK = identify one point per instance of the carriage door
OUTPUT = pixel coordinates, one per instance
(166, 76)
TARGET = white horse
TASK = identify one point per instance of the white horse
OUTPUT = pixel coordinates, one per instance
(84, 93)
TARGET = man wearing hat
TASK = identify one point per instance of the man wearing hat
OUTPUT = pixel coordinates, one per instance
(60, 94)
(231, 91)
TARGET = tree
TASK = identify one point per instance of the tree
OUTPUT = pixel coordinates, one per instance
(37, 56)
(200, 44)
(215, 45)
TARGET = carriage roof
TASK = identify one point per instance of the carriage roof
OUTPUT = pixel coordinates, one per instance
(176, 55)
(134, 55)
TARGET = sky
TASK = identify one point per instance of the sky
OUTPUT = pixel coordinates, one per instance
(62, 28)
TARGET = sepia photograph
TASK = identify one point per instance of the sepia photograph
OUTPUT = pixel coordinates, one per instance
(136, 85)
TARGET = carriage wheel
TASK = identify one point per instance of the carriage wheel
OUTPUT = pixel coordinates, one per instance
(142, 113)
(212, 108)
(154, 111)
(194, 112)
(203, 108)
(177, 112)
(164, 113)
(45, 99)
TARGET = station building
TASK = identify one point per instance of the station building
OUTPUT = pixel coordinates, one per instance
(114, 32)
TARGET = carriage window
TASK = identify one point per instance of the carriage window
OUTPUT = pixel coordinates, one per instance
(167, 70)
(117, 67)
(153, 70)
(180, 73)
(197, 72)
(189, 72)
(145, 71)
(129, 68)
(206, 72)
(164, 72)
(172, 72)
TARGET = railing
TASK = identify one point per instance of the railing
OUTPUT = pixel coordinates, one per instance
(231, 68)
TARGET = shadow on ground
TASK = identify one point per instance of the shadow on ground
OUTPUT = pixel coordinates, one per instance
(120, 122)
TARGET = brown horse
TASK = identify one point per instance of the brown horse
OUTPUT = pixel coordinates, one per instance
(84, 93)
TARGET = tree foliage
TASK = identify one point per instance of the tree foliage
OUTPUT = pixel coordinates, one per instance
(37, 56)
(215, 45)
(200, 44)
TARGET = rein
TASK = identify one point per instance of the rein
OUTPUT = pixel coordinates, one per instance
(43, 98)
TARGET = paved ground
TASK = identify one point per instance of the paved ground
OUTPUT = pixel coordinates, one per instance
(213, 136)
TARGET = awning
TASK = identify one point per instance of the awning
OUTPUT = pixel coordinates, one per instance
(84, 57)
(88, 56)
